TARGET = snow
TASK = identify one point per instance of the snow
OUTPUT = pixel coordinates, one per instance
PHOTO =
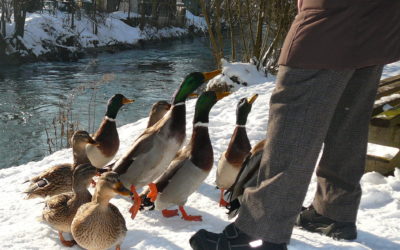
(44, 29)
(378, 217)
(382, 151)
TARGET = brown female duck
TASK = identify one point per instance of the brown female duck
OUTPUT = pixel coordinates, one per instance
(99, 224)
(61, 209)
(58, 179)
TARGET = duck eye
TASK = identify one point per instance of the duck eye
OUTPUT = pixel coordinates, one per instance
(42, 183)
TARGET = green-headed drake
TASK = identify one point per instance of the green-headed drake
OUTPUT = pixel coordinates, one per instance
(247, 177)
(158, 110)
(58, 179)
(190, 167)
(60, 209)
(99, 224)
(155, 148)
(239, 147)
(107, 135)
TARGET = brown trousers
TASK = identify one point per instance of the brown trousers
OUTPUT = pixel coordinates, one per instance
(309, 108)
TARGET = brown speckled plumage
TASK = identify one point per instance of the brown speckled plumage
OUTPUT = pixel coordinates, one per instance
(99, 224)
(58, 179)
(60, 209)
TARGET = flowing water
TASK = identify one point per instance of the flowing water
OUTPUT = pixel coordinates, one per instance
(32, 95)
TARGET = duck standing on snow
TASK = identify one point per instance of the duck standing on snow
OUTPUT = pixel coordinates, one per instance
(58, 179)
(107, 135)
(61, 209)
(99, 224)
(152, 151)
(239, 147)
(190, 167)
(158, 110)
(247, 177)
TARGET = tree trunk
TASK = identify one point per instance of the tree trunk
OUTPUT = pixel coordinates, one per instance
(19, 18)
(3, 19)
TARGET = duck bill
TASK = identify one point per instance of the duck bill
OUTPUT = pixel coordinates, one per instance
(193, 95)
(252, 99)
(212, 74)
(91, 141)
(221, 94)
(119, 188)
(126, 100)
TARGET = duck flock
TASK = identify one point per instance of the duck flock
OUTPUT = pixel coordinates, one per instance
(155, 163)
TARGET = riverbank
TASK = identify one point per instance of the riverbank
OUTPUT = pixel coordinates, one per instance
(49, 37)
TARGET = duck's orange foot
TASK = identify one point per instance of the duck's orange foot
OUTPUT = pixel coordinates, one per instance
(93, 183)
(67, 243)
(187, 217)
(169, 213)
(223, 203)
(136, 203)
(192, 218)
(153, 192)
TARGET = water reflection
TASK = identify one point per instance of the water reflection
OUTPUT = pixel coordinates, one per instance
(30, 95)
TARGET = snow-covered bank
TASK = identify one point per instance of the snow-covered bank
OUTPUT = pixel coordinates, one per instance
(379, 214)
(50, 37)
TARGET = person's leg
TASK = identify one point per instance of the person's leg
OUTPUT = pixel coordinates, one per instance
(301, 108)
(343, 160)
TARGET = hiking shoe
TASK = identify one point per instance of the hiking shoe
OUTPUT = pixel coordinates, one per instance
(230, 239)
(311, 221)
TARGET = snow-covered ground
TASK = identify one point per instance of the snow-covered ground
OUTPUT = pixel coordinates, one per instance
(378, 221)
(43, 31)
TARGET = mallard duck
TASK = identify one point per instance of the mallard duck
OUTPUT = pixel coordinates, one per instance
(247, 177)
(190, 167)
(239, 147)
(99, 224)
(58, 179)
(155, 148)
(158, 110)
(61, 209)
(107, 135)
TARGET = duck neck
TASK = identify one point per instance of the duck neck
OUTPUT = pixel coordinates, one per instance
(112, 111)
(79, 154)
(178, 118)
(201, 149)
(80, 190)
(101, 198)
(239, 145)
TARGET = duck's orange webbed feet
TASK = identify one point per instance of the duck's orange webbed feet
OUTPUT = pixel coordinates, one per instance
(67, 243)
(153, 192)
(187, 217)
(169, 213)
(136, 202)
(222, 201)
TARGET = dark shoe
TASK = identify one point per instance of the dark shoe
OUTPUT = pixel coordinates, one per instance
(311, 221)
(230, 239)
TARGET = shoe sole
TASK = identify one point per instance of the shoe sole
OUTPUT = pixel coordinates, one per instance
(328, 230)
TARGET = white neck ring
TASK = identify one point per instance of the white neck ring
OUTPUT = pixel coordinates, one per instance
(200, 124)
(109, 119)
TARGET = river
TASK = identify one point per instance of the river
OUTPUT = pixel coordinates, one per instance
(32, 95)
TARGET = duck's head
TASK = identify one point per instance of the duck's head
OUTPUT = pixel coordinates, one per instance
(191, 83)
(204, 104)
(115, 103)
(157, 112)
(81, 138)
(109, 185)
(82, 175)
(243, 109)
